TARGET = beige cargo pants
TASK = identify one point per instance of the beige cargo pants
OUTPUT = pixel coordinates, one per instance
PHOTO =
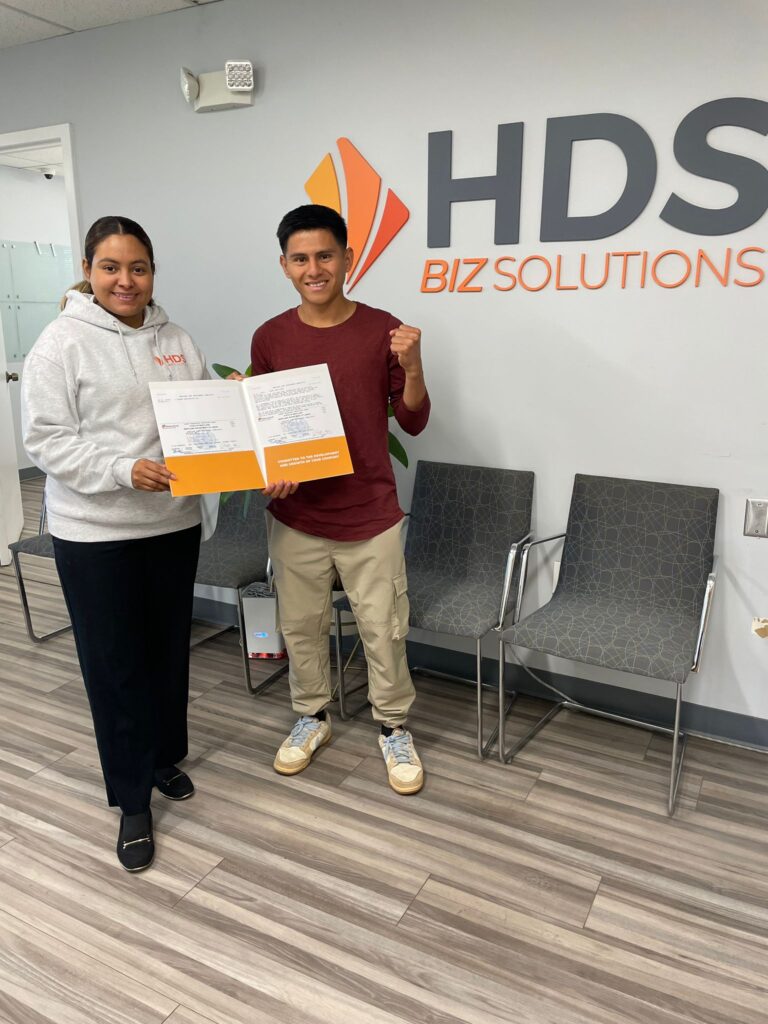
(373, 576)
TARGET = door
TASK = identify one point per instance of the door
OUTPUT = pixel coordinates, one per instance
(24, 315)
(11, 513)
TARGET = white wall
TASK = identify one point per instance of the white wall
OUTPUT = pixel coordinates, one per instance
(32, 209)
(650, 383)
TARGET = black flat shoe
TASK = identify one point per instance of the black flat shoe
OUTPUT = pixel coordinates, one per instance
(173, 783)
(135, 841)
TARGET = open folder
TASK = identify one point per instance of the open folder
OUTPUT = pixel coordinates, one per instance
(230, 435)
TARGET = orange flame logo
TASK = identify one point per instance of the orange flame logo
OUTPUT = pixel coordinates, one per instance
(363, 186)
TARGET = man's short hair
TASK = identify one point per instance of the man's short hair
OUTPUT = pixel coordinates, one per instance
(310, 218)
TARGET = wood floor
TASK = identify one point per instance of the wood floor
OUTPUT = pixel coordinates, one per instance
(553, 891)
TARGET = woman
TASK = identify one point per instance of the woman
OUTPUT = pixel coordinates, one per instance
(126, 551)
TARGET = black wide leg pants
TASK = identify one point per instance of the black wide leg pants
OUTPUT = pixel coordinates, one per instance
(130, 603)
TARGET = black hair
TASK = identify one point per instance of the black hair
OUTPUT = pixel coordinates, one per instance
(106, 226)
(310, 218)
(97, 232)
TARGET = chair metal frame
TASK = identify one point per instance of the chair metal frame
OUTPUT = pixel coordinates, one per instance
(345, 712)
(484, 746)
(566, 702)
(33, 636)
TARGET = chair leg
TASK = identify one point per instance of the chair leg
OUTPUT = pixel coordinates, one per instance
(679, 738)
(33, 636)
(254, 691)
(484, 746)
(344, 711)
(506, 755)
(679, 741)
(339, 663)
(505, 704)
(480, 723)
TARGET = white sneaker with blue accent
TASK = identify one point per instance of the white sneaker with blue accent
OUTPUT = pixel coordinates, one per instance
(404, 769)
(296, 751)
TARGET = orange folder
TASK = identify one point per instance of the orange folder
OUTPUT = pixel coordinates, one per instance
(229, 435)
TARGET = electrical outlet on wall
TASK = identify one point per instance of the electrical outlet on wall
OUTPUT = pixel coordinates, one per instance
(756, 518)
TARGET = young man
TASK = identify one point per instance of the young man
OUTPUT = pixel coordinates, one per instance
(350, 525)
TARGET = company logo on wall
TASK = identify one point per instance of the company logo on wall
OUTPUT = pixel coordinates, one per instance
(633, 267)
(629, 267)
(363, 188)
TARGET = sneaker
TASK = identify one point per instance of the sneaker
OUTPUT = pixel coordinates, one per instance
(135, 841)
(404, 769)
(307, 736)
(173, 783)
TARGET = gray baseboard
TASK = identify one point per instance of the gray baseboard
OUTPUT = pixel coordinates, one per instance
(214, 611)
(727, 726)
(711, 722)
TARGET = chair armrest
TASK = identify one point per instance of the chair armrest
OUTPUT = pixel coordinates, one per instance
(706, 608)
(524, 570)
(509, 570)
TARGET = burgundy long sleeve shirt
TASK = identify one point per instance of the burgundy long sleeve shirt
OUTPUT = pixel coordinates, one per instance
(366, 377)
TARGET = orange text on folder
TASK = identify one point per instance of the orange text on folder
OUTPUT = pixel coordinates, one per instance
(308, 460)
(207, 474)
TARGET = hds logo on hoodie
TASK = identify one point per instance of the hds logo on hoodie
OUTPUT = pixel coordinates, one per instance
(170, 357)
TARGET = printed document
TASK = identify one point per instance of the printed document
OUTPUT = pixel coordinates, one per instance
(229, 435)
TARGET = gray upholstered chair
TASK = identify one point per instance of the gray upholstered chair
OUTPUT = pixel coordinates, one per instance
(464, 530)
(636, 582)
(236, 556)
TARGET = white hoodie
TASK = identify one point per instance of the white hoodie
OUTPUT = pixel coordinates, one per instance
(87, 417)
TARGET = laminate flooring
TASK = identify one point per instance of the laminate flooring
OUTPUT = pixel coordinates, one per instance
(552, 891)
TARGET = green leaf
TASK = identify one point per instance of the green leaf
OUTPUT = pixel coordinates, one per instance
(390, 411)
(397, 451)
(223, 371)
(249, 371)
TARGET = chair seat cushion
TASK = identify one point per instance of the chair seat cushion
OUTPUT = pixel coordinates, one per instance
(229, 565)
(40, 545)
(442, 604)
(615, 634)
(459, 607)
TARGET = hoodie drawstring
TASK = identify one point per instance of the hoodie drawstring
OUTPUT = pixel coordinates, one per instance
(125, 350)
(156, 350)
(159, 356)
(86, 309)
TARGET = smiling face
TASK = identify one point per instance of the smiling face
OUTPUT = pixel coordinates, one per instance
(317, 266)
(121, 277)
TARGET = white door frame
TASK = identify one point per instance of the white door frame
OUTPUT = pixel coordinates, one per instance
(11, 515)
(54, 135)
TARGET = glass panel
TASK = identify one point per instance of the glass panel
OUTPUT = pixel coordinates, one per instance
(10, 332)
(32, 317)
